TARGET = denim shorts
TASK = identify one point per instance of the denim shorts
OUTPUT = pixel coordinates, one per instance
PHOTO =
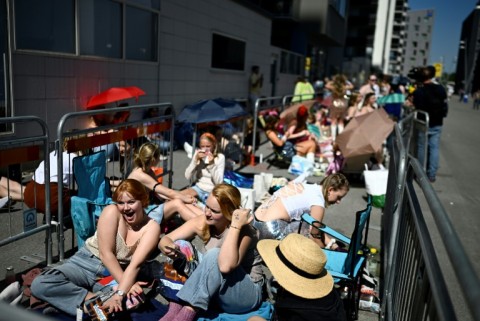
(156, 213)
(202, 195)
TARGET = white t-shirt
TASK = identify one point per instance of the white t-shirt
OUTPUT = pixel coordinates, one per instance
(39, 176)
(299, 202)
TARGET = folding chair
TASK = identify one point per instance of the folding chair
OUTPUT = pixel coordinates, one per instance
(346, 267)
(93, 194)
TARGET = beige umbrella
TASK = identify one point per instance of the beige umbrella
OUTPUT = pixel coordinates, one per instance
(292, 109)
(365, 134)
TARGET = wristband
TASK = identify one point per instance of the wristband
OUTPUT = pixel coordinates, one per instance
(235, 227)
(155, 186)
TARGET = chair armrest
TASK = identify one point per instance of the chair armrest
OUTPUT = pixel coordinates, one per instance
(324, 228)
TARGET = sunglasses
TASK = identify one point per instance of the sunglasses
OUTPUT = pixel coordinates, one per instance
(373, 79)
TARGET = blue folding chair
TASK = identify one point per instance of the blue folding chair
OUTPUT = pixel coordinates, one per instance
(346, 267)
(93, 193)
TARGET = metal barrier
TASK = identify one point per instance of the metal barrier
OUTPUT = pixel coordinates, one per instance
(23, 152)
(414, 286)
(261, 105)
(125, 136)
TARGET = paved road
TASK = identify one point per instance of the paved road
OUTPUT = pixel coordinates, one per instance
(457, 187)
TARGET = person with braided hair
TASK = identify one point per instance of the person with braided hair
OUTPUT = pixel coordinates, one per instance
(148, 155)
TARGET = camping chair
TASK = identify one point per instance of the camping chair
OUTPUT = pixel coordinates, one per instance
(92, 195)
(346, 267)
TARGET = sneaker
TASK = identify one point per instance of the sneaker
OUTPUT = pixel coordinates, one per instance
(4, 201)
(188, 148)
(432, 179)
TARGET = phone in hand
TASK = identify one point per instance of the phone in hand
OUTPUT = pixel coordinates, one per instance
(177, 251)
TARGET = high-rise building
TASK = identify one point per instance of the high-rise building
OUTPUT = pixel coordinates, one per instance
(419, 38)
(468, 66)
(375, 38)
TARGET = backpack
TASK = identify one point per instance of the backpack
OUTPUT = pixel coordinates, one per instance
(233, 151)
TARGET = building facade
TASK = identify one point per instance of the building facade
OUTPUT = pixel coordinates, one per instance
(468, 64)
(375, 38)
(59, 54)
(419, 38)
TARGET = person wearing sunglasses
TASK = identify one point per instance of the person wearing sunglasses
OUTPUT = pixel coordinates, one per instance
(371, 86)
(230, 266)
(124, 238)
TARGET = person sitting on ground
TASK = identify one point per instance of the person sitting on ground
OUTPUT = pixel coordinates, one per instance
(229, 274)
(148, 155)
(297, 132)
(283, 147)
(248, 141)
(124, 238)
(100, 120)
(206, 168)
(306, 290)
(161, 139)
(281, 214)
(33, 194)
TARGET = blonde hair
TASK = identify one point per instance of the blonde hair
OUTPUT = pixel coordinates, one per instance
(335, 181)
(339, 83)
(145, 155)
(229, 199)
(210, 138)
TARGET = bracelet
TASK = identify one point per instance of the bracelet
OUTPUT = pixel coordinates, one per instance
(155, 186)
(235, 227)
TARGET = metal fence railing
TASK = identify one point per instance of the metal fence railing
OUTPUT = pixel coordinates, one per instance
(124, 137)
(19, 155)
(414, 286)
(279, 103)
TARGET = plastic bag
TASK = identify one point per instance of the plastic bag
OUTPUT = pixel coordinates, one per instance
(376, 185)
(300, 165)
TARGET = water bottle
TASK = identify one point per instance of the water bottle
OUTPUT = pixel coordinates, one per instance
(369, 302)
(10, 275)
(373, 262)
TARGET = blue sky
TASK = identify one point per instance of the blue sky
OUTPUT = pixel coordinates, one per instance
(449, 16)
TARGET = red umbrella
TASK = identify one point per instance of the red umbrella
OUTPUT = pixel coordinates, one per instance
(114, 94)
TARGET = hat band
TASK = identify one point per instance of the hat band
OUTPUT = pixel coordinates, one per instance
(293, 267)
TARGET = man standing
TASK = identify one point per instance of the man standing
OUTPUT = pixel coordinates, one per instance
(432, 99)
(370, 87)
(255, 86)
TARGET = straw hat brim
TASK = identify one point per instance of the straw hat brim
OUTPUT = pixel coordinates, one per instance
(301, 286)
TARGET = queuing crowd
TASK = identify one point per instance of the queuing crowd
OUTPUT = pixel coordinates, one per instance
(236, 246)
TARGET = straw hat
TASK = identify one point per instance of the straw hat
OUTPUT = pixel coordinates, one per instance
(297, 263)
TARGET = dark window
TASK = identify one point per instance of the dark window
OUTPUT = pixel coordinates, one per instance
(153, 4)
(227, 53)
(101, 28)
(47, 25)
(141, 34)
